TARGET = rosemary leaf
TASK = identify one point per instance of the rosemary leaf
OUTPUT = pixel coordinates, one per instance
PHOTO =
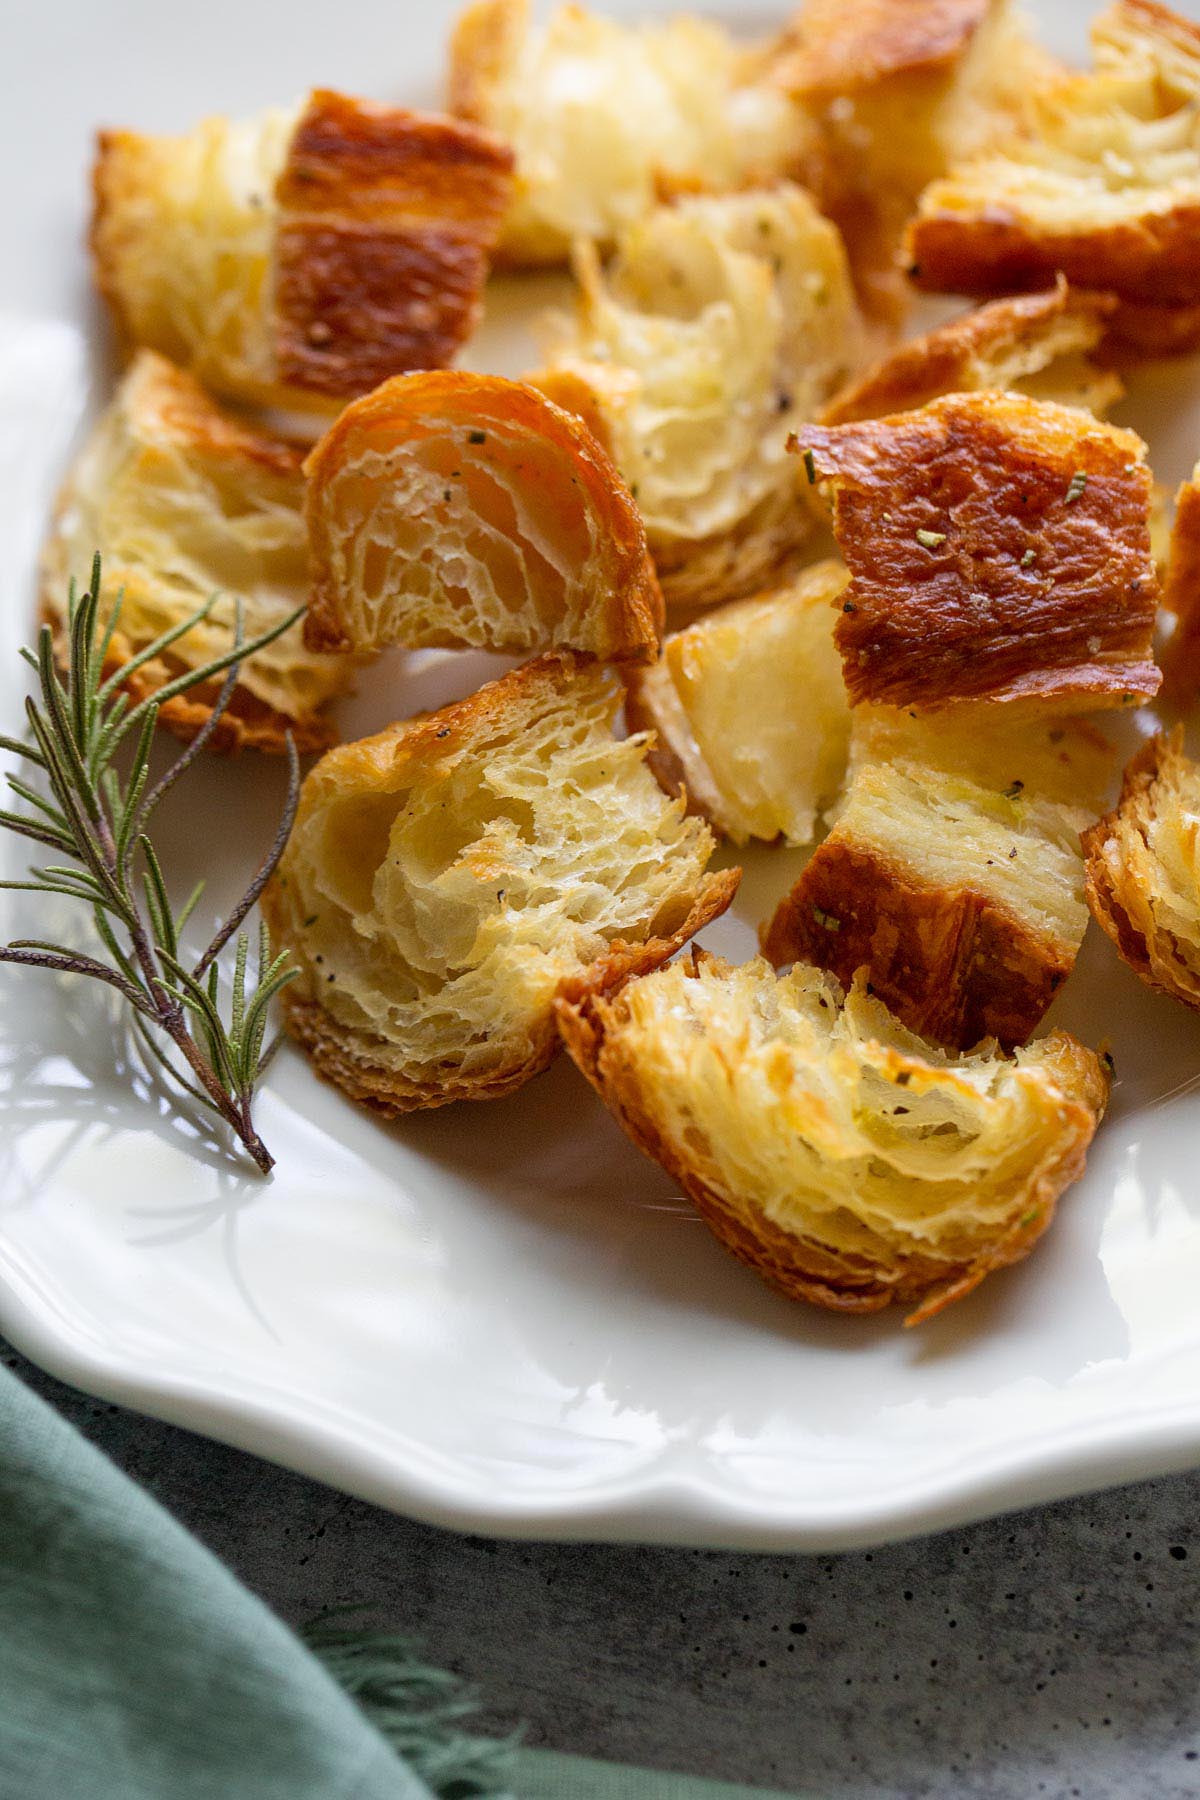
(157, 903)
(16, 747)
(31, 798)
(237, 1009)
(238, 654)
(153, 651)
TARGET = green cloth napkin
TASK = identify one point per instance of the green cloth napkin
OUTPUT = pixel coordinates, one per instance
(543, 1775)
(134, 1667)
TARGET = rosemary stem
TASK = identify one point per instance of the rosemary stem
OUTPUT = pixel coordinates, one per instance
(172, 1017)
(236, 1113)
(95, 819)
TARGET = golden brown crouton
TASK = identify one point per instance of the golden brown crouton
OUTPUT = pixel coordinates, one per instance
(1034, 344)
(720, 324)
(953, 874)
(900, 90)
(183, 501)
(1104, 186)
(1181, 595)
(838, 49)
(302, 256)
(1143, 869)
(459, 509)
(843, 1159)
(443, 878)
(999, 549)
(606, 117)
(750, 710)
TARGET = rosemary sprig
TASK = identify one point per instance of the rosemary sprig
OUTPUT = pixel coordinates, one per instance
(95, 822)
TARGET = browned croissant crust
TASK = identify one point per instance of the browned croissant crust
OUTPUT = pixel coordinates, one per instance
(953, 874)
(838, 49)
(1036, 344)
(184, 501)
(843, 1159)
(999, 549)
(1105, 186)
(1181, 595)
(1143, 869)
(300, 257)
(458, 509)
(444, 876)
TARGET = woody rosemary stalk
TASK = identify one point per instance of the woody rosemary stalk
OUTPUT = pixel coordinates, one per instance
(97, 819)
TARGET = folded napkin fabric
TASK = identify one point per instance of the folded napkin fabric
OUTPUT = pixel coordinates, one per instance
(133, 1666)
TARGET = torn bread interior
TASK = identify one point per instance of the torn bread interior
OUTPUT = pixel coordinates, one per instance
(1143, 869)
(953, 873)
(1103, 185)
(605, 117)
(898, 91)
(446, 875)
(186, 505)
(844, 1159)
(749, 710)
(459, 509)
(719, 326)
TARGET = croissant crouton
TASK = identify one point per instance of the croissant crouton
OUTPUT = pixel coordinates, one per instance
(846, 1161)
(1181, 595)
(953, 873)
(444, 877)
(604, 117)
(900, 90)
(458, 509)
(1034, 344)
(999, 549)
(1104, 186)
(302, 256)
(183, 501)
(750, 710)
(1143, 869)
(720, 324)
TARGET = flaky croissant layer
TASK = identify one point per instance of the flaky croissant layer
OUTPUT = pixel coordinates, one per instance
(446, 875)
(847, 1161)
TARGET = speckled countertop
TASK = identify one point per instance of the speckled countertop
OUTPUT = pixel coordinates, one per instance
(1052, 1653)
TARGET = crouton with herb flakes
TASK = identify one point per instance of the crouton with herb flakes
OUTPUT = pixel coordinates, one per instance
(460, 509)
(1143, 869)
(999, 549)
(953, 874)
(719, 326)
(1103, 185)
(302, 256)
(845, 1160)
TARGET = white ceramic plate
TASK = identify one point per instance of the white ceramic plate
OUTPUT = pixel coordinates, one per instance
(502, 1317)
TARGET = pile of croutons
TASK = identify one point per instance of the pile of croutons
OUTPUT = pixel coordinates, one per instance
(778, 572)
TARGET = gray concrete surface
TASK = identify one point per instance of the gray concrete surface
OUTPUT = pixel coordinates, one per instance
(1052, 1653)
